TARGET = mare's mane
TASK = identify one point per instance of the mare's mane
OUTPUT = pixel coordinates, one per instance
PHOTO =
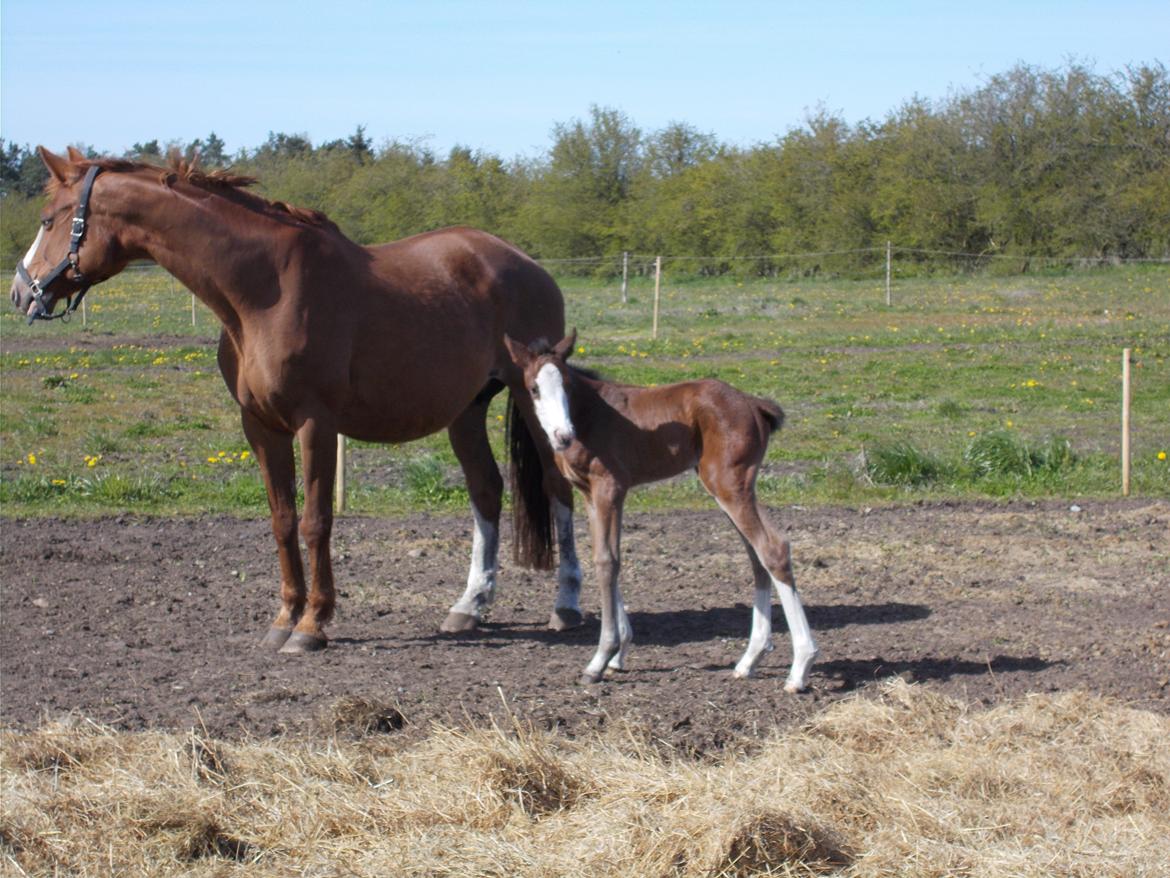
(219, 181)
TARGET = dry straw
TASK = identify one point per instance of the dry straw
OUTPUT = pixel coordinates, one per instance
(906, 783)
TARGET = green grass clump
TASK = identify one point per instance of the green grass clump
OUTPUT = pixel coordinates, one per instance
(902, 464)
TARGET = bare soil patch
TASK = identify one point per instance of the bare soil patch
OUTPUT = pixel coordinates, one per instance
(144, 622)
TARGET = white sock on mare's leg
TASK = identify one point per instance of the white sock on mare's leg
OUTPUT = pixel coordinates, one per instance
(481, 578)
(568, 566)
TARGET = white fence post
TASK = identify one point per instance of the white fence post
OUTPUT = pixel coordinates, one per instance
(1125, 395)
(625, 276)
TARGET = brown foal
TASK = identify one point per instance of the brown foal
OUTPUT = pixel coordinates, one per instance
(323, 336)
(610, 437)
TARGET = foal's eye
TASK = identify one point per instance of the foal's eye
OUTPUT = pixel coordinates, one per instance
(47, 222)
(535, 391)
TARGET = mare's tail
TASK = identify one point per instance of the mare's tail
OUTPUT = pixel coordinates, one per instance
(532, 528)
(771, 413)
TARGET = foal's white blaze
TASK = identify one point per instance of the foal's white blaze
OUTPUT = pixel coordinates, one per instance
(552, 407)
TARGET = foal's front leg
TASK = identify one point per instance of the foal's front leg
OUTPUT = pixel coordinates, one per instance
(605, 525)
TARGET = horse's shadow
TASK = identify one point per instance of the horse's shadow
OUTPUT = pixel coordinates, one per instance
(670, 627)
(855, 672)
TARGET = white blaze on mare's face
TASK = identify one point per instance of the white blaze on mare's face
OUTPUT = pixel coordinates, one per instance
(552, 407)
(32, 251)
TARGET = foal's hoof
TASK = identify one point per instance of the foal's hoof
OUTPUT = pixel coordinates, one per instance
(588, 678)
(562, 619)
(459, 623)
(276, 638)
(299, 643)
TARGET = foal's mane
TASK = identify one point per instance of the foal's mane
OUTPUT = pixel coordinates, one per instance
(219, 181)
(543, 347)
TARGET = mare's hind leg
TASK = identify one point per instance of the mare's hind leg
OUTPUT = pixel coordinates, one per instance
(734, 489)
(274, 454)
(469, 441)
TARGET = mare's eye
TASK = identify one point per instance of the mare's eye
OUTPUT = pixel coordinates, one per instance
(535, 391)
(47, 222)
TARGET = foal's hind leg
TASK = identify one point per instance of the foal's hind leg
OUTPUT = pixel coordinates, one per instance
(469, 441)
(735, 493)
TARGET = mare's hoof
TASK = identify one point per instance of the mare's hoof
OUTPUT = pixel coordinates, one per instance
(562, 619)
(299, 643)
(276, 638)
(459, 623)
(588, 678)
(795, 688)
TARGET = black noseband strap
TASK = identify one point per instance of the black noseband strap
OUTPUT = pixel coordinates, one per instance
(40, 285)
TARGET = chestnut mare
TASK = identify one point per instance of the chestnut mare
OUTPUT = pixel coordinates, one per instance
(322, 336)
(610, 437)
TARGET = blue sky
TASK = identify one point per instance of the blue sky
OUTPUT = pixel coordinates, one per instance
(498, 75)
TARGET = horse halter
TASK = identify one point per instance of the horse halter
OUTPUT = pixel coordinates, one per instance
(40, 285)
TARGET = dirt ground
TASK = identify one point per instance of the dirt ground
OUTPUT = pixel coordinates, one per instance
(146, 622)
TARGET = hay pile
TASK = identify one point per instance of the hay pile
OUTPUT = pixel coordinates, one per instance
(907, 783)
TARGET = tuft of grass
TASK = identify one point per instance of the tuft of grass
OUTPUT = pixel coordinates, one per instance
(902, 464)
(426, 481)
(1002, 453)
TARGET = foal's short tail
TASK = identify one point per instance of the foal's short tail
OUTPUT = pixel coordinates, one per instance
(532, 529)
(772, 414)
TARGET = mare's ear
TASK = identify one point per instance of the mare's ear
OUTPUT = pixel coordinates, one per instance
(518, 352)
(564, 348)
(75, 154)
(59, 167)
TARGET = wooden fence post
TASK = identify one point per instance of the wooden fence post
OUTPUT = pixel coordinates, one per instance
(657, 287)
(625, 276)
(889, 252)
(1125, 396)
(339, 480)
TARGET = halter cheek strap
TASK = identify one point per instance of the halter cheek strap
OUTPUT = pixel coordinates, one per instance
(40, 285)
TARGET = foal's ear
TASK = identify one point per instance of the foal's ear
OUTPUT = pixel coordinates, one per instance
(75, 154)
(518, 352)
(564, 348)
(58, 166)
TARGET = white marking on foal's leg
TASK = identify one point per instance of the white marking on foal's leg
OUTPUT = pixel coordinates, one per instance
(481, 578)
(761, 639)
(625, 633)
(568, 566)
(804, 648)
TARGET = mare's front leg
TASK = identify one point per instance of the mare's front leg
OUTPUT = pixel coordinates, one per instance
(318, 440)
(274, 454)
(605, 525)
(469, 441)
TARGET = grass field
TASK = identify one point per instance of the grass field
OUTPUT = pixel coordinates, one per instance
(970, 386)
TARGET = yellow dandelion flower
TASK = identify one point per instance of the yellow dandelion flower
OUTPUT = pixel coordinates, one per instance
(32, 459)
(1161, 455)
